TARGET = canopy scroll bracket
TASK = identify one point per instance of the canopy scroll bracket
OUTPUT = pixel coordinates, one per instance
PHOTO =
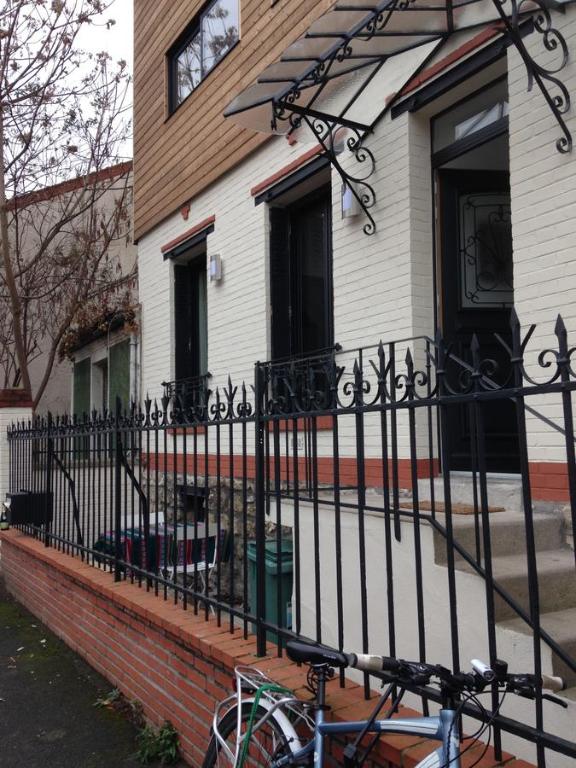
(552, 88)
(326, 128)
(326, 132)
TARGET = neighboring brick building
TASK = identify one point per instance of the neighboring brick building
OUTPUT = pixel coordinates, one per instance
(97, 357)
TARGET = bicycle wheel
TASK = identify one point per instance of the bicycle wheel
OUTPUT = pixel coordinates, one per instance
(268, 743)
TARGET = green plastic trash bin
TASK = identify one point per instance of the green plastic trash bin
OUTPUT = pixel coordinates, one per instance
(278, 578)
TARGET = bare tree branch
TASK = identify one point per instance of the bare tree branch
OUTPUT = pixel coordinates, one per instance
(63, 116)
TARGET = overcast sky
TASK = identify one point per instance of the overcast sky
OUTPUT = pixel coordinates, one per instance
(117, 41)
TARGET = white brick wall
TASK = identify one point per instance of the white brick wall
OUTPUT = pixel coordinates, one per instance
(8, 416)
(382, 284)
(543, 185)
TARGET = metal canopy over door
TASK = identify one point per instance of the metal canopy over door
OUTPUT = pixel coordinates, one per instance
(334, 81)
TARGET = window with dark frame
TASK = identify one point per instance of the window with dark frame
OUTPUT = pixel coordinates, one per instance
(301, 275)
(190, 318)
(211, 35)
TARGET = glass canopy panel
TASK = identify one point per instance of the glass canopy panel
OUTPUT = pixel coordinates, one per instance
(257, 118)
(387, 46)
(362, 4)
(309, 48)
(283, 70)
(337, 23)
(339, 68)
(474, 14)
(254, 95)
(363, 33)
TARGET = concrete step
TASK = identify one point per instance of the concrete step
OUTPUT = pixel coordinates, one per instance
(507, 534)
(556, 582)
(561, 626)
(503, 490)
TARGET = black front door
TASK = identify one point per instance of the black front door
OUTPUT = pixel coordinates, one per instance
(477, 296)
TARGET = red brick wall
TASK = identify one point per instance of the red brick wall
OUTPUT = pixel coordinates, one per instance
(176, 664)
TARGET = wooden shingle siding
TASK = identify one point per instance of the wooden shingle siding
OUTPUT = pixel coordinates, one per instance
(177, 156)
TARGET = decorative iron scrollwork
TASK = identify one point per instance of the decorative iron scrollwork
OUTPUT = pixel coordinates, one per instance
(291, 109)
(326, 130)
(552, 88)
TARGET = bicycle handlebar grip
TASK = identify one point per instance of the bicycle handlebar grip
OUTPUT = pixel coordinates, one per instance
(370, 663)
(552, 683)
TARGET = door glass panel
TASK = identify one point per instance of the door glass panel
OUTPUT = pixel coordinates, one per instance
(486, 269)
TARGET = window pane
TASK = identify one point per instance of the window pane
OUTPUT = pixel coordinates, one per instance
(486, 266)
(219, 32)
(471, 116)
(188, 69)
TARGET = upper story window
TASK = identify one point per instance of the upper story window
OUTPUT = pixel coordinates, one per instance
(206, 41)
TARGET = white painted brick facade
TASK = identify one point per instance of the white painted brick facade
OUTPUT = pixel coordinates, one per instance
(543, 185)
(8, 416)
(383, 285)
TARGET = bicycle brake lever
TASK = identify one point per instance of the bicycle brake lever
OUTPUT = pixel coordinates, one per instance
(555, 700)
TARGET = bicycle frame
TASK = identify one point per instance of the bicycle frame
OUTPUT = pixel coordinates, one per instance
(443, 728)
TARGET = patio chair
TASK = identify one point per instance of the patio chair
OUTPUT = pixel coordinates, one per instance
(137, 520)
(203, 556)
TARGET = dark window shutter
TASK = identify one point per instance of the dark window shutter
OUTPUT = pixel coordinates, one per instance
(82, 387)
(280, 282)
(119, 374)
(312, 308)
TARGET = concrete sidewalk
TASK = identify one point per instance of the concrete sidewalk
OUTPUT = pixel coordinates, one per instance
(47, 695)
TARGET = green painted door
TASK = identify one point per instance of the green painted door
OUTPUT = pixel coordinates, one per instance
(82, 387)
(119, 374)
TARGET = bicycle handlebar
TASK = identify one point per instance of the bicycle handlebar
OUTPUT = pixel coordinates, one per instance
(419, 672)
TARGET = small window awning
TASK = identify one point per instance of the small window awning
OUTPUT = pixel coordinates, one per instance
(354, 40)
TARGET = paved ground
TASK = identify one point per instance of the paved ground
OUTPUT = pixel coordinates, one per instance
(47, 695)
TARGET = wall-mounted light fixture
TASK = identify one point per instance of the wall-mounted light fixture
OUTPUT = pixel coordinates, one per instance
(350, 205)
(215, 267)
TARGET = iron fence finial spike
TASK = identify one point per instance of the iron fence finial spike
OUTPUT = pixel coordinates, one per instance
(560, 327)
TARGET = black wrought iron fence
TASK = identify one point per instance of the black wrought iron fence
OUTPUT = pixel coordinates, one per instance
(352, 498)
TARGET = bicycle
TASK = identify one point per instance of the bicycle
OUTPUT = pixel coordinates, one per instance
(263, 723)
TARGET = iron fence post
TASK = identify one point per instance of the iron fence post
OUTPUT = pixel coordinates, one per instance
(48, 501)
(117, 492)
(260, 512)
